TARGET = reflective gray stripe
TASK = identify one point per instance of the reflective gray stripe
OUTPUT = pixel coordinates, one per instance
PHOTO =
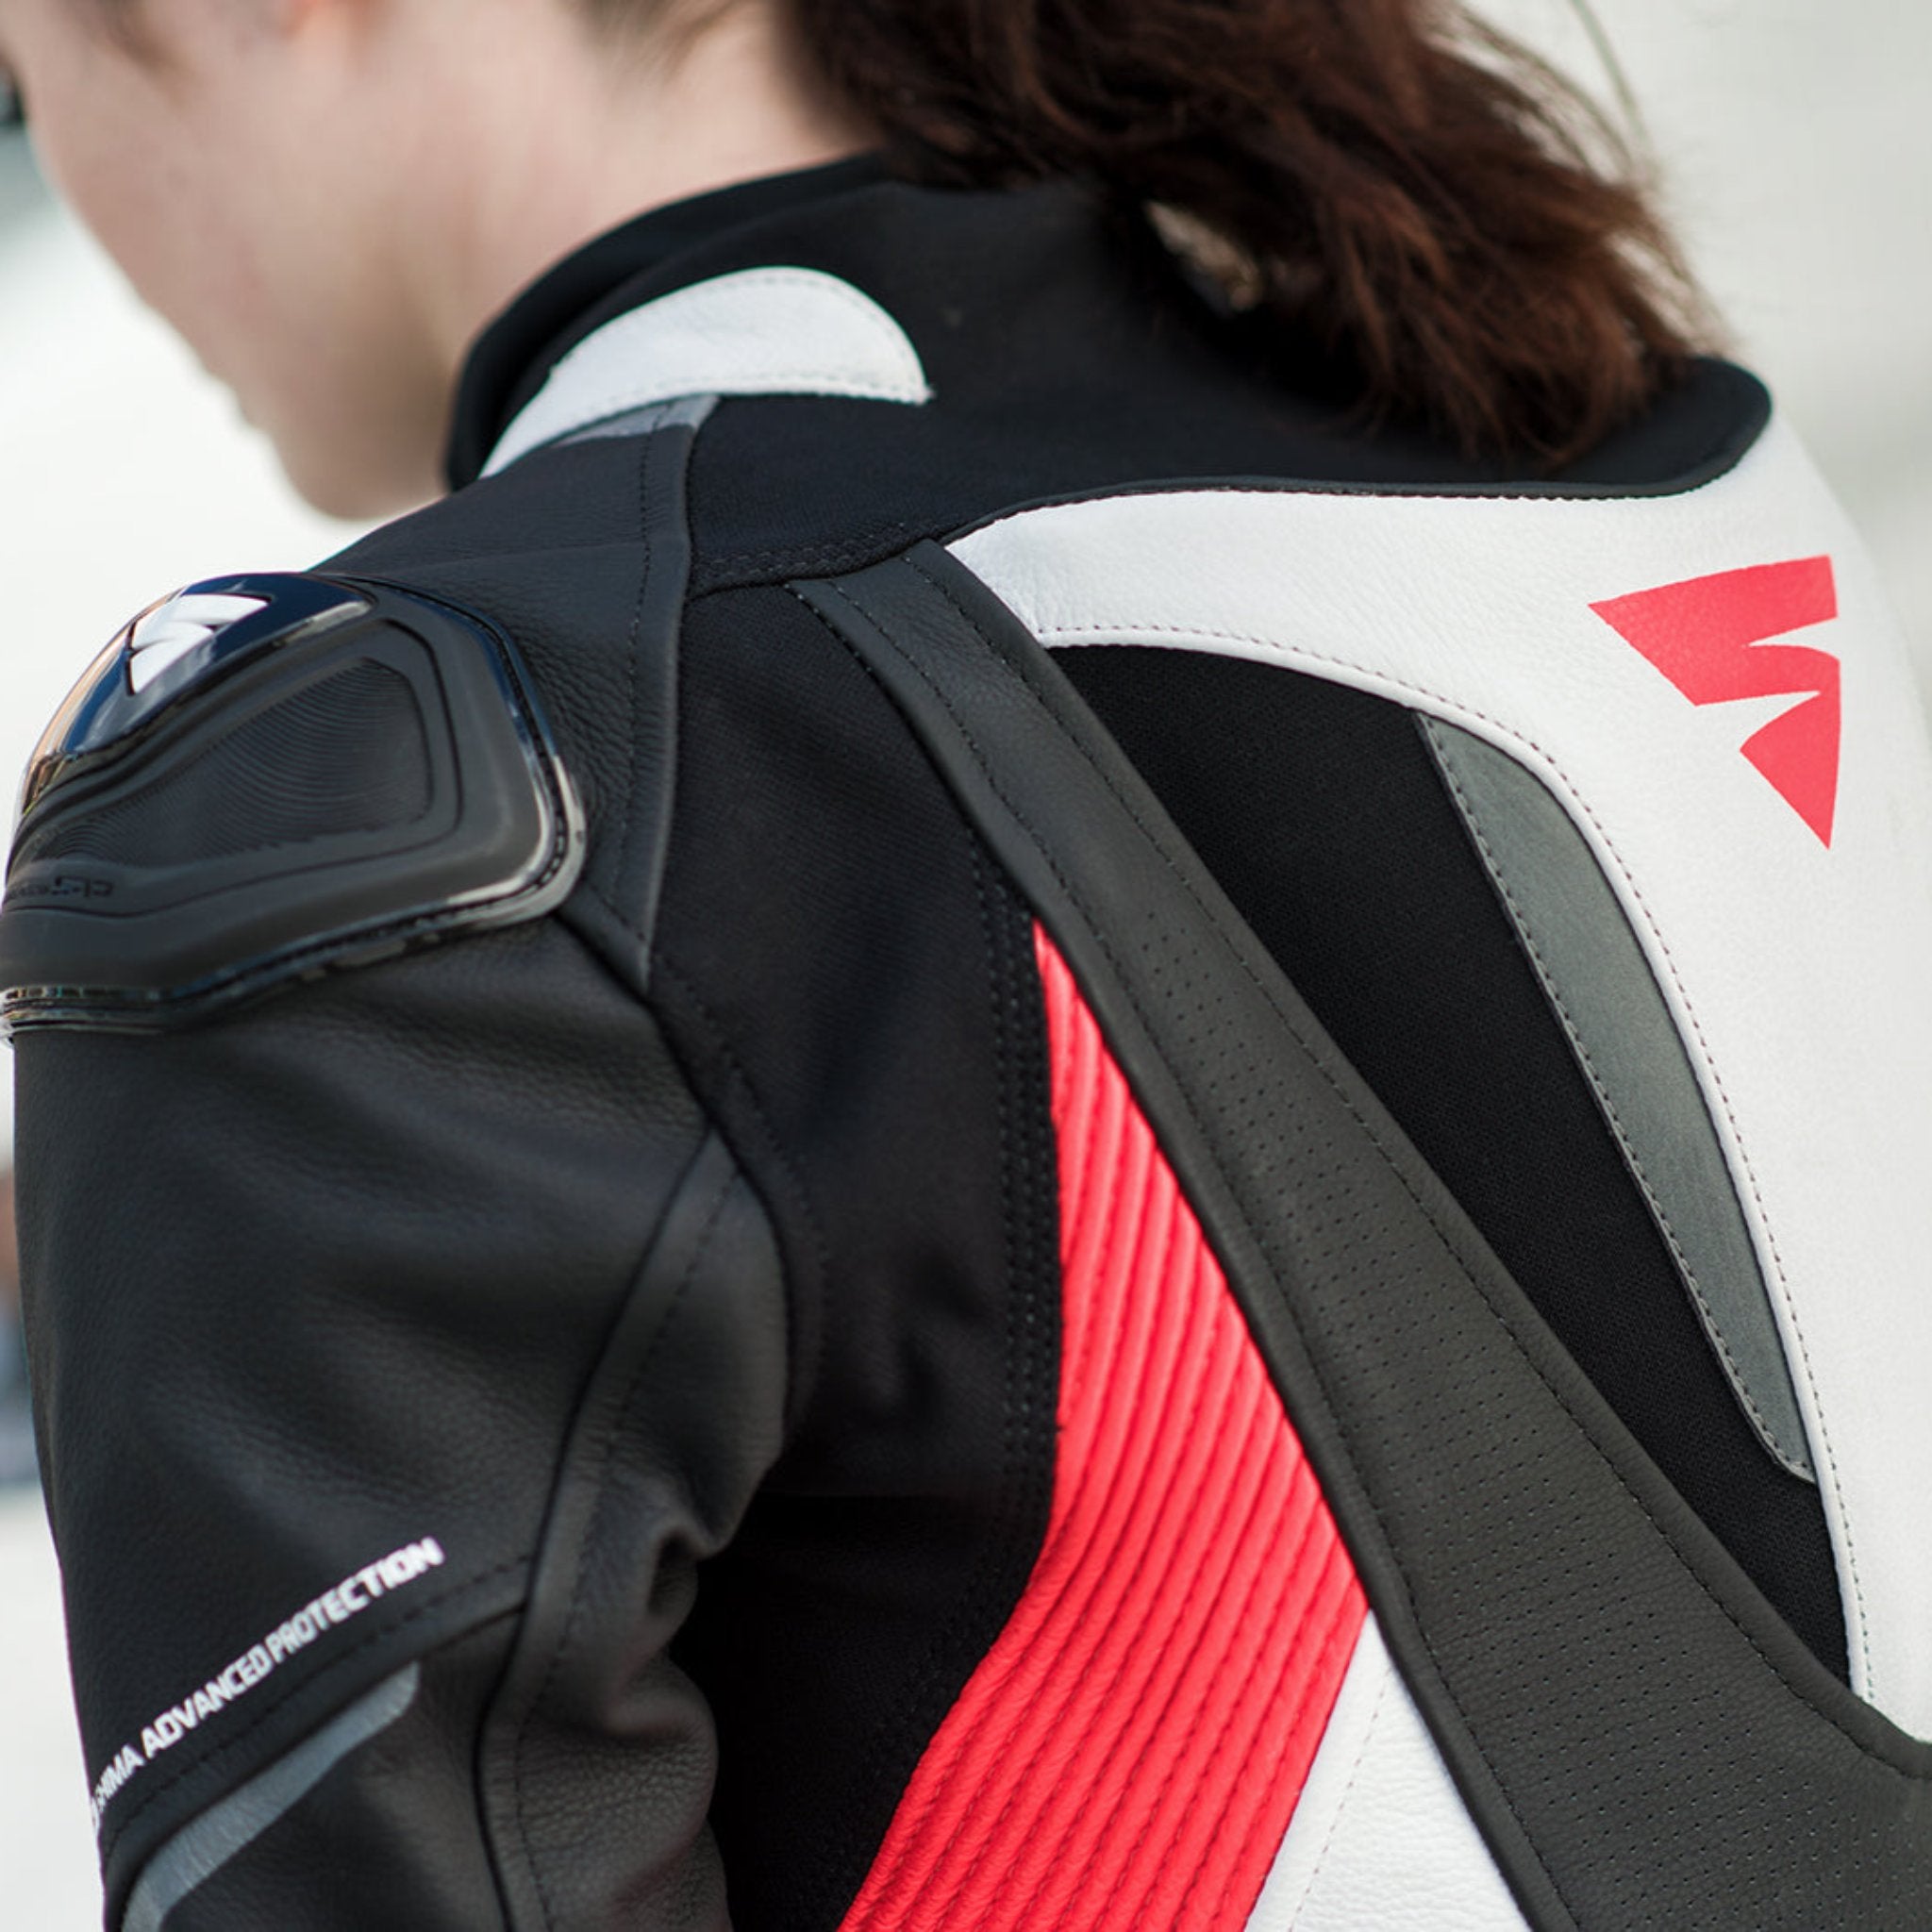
(688, 412)
(1594, 972)
(194, 1854)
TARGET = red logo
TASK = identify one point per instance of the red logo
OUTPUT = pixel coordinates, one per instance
(1707, 637)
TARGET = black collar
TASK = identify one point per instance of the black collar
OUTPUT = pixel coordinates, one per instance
(515, 354)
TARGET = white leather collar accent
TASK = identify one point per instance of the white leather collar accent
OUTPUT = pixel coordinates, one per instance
(766, 331)
(1796, 971)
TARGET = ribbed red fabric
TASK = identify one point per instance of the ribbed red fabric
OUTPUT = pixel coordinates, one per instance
(1130, 1750)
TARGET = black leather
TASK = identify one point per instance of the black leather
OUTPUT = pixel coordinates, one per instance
(403, 1253)
(599, 1758)
(1642, 1739)
(1323, 817)
(416, 1254)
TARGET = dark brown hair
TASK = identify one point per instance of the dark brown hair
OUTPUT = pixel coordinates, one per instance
(1441, 208)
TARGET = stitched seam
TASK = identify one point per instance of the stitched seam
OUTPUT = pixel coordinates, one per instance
(817, 280)
(631, 680)
(1018, 1365)
(804, 553)
(110, 1840)
(966, 1610)
(1402, 1180)
(1347, 1793)
(1582, 805)
(1413, 492)
(804, 380)
(1017, 1184)
(1106, 946)
(1340, 1637)
(1080, 1584)
(1200, 1125)
(926, 1677)
(907, 384)
(799, 1375)
(605, 1450)
(1148, 1556)
(602, 901)
(1553, 991)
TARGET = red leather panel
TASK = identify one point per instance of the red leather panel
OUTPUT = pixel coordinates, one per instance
(1131, 1750)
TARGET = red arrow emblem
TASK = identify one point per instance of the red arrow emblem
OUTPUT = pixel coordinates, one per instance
(1707, 637)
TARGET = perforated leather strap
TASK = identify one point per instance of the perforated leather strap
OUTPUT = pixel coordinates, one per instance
(1641, 1739)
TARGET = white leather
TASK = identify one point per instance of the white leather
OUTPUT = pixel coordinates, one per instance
(1381, 1842)
(1799, 975)
(767, 331)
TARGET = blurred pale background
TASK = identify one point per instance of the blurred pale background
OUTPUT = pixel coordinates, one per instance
(1798, 157)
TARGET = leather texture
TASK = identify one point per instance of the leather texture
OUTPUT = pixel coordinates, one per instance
(1639, 1736)
(651, 1485)
(1592, 967)
(1793, 969)
(200, 1851)
(545, 1244)
(1381, 1837)
(769, 331)
(619, 915)
(1131, 1749)
(397, 1812)
(298, 1375)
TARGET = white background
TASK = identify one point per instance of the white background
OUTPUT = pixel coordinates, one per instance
(1798, 157)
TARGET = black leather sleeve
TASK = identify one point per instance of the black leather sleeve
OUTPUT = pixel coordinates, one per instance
(403, 1343)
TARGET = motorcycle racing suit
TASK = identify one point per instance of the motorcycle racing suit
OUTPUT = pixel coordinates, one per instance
(959, 1121)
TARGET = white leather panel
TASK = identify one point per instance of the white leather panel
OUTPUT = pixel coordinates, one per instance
(767, 331)
(1381, 1837)
(1799, 971)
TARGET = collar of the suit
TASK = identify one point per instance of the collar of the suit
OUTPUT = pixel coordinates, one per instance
(845, 280)
(618, 271)
(851, 218)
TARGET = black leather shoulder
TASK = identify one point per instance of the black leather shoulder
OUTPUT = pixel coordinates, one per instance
(269, 777)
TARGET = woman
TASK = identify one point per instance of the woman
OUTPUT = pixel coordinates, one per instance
(707, 1243)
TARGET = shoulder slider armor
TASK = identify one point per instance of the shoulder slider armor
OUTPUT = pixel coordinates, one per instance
(266, 778)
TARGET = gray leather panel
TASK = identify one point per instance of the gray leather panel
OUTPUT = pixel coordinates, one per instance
(1641, 1739)
(1594, 972)
(193, 1856)
(690, 413)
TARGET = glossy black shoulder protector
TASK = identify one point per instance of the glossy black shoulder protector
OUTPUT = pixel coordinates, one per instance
(270, 777)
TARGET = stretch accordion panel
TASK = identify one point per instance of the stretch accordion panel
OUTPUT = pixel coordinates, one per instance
(1131, 1750)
